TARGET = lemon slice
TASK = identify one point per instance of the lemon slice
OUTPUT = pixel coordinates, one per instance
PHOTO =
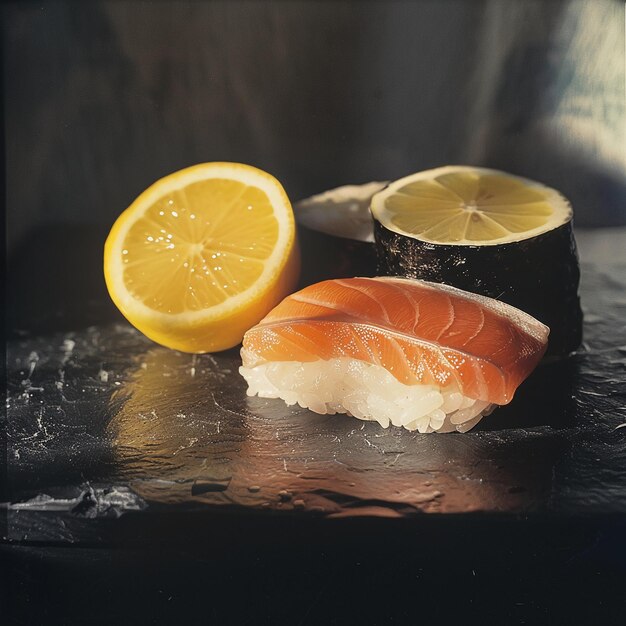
(465, 205)
(202, 255)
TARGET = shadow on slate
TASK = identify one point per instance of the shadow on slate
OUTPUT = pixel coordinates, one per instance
(477, 571)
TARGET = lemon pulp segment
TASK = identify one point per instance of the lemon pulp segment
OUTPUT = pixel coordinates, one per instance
(197, 246)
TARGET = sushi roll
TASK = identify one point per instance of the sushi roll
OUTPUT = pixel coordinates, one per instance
(336, 233)
(487, 232)
(421, 355)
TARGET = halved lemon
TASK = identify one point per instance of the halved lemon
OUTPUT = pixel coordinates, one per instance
(468, 205)
(202, 255)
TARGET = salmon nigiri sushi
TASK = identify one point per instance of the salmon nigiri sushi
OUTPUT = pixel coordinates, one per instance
(399, 351)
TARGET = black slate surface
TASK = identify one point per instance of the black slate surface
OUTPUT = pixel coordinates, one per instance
(133, 475)
(104, 424)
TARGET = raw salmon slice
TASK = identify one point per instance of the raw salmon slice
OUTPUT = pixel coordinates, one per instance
(419, 332)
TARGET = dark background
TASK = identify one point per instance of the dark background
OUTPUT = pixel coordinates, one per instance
(103, 98)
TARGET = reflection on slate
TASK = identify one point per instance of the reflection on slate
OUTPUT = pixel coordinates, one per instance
(103, 422)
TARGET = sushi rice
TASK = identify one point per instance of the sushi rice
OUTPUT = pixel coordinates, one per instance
(367, 392)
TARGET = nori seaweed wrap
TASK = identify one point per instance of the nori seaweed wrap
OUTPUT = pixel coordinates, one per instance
(537, 273)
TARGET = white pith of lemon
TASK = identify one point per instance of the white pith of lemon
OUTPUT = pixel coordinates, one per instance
(466, 205)
(202, 255)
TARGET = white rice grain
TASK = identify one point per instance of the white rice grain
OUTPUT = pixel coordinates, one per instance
(367, 392)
